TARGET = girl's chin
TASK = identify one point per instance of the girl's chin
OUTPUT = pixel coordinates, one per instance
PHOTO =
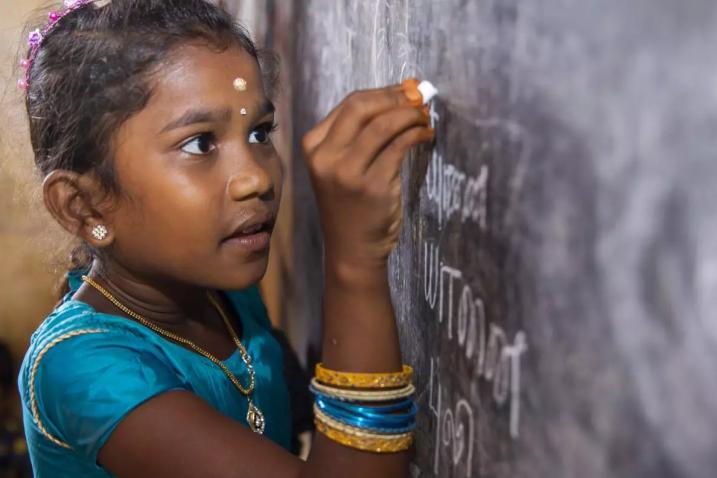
(248, 273)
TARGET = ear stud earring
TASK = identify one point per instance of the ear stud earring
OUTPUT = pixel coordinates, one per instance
(240, 84)
(99, 232)
(242, 111)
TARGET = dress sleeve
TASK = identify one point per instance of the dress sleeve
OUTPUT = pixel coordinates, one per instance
(84, 385)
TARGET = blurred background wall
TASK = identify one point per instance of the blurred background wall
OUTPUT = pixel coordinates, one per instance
(29, 244)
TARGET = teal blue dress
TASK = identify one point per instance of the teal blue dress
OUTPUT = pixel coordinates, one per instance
(85, 370)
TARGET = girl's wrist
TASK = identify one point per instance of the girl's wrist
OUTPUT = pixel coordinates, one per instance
(355, 273)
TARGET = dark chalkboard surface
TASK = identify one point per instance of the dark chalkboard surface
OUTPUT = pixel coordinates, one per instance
(556, 281)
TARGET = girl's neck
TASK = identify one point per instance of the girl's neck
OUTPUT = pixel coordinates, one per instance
(167, 304)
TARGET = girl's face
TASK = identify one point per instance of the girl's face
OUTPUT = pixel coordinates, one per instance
(196, 166)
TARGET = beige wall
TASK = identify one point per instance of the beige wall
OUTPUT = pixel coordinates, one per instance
(26, 235)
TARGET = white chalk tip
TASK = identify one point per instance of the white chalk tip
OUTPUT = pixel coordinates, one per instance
(428, 91)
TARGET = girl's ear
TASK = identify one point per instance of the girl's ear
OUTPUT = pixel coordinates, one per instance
(73, 201)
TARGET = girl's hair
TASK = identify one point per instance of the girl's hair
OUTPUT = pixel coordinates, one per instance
(93, 72)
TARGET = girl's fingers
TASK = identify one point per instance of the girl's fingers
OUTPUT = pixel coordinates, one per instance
(387, 165)
(380, 132)
(314, 137)
(352, 102)
(359, 108)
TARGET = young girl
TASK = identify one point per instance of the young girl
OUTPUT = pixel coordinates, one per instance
(151, 126)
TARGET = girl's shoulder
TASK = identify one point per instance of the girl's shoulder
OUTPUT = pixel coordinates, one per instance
(85, 370)
(72, 318)
(75, 342)
(77, 329)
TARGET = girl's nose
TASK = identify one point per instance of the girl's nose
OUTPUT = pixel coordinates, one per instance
(249, 180)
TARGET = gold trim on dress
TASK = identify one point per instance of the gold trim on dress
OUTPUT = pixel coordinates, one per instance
(33, 373)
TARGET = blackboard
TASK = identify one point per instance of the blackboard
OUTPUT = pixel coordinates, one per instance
(556, 279)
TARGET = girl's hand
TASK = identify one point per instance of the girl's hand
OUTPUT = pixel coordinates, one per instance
(354, 158)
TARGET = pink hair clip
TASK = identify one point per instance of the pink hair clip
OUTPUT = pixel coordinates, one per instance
(36, 36)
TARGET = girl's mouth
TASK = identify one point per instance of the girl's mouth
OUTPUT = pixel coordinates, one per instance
(253, 242)
(252, 236)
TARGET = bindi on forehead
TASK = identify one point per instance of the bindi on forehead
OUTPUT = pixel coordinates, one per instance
(197, 68)
(239, 84)
(197, 80)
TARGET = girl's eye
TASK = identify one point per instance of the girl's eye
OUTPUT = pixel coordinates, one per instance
(200, 145)
(262, 133)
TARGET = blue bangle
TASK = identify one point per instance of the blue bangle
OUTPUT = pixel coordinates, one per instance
(375, 418)
(370, 427)
(375, 412)
(393, 407)
(366, 412)
(372, 421)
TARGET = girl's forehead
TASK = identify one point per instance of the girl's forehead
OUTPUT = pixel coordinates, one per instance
(195, 79)
(192, 71)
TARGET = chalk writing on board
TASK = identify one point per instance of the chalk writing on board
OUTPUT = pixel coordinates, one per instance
(455, 426)
(461, 197)
(497, 360)
(455, 191)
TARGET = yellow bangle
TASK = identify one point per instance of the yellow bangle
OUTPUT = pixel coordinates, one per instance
(364, 380)
(367, 442)
(364, 395)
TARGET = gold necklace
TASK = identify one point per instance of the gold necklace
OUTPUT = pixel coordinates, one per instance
(254, 416)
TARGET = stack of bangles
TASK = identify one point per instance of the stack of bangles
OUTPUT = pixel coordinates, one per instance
(367, 411)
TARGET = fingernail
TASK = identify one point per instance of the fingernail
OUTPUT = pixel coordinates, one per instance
(410, 89)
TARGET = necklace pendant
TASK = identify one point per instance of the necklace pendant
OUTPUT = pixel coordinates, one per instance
(255, 419)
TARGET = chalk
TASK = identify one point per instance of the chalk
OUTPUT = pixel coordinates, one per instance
(428, 91)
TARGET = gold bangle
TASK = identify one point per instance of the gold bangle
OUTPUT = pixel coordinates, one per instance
(364, 380)
(364, 395)
(374, 443)
(352, 430)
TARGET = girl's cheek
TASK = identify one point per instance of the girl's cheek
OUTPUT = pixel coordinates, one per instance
(275, 168)
(279, 176)
(279, 170)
